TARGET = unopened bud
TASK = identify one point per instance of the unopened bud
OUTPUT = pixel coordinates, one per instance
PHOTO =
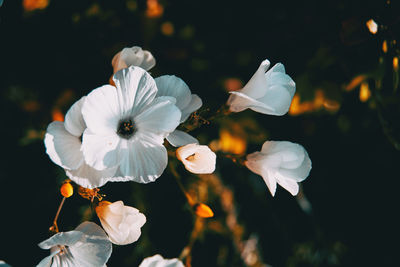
(67, 190)
(202, 210)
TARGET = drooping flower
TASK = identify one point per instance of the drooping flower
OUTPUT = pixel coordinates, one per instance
(197, 158)
(268, 92)
(170, 85)
(63, 145)
(133, 56)
(281, 162)
(87, 245)
(126, 127)
(122, 223)
(159, 261)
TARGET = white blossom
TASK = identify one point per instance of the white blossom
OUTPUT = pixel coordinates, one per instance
(159, 261)
(280, 162)
(170, 85)
(122, 223)
(63, 145)
(86, 246)
(126, 127)
(268, 92)
(133, 56)
(196, 158)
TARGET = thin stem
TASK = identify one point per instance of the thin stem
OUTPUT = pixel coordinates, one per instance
(54, 227)
(181, 187)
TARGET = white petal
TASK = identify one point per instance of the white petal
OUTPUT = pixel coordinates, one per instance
(102, 110)
(160, 117)
(270, 182)
(62, 238)
(170, 85)
(132, 56)
(148, 61)
(194, 104)
(136, 89)
(74, 122)
(239, 102)
(94, 249)
(89, 177)
(255, 87)
(62, 147)
(290, 185)
(144, 161)
(179, 138)
(101, 151)
(118, 63)
(278, 98)
(159, 261)
(255, 162)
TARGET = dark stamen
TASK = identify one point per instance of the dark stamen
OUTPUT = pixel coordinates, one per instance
(125, 128)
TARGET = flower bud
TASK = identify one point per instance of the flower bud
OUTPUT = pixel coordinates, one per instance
(202, 210)
(67, 190)
(121, 223)
(196, 158)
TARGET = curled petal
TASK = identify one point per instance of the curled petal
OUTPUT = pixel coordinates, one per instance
(196, 158)
(170, 85)
(133, 56)
(194, 104)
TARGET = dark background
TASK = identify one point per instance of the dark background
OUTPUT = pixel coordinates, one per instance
(51, 57)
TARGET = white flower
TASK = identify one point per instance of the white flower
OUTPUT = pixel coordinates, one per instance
(170, 85)
(268, 92)
(63, 145)
(159, 261)
(196, 158)
(282, 162)
(126, 126)
(86, 246)
(122, 223)
(133, 56)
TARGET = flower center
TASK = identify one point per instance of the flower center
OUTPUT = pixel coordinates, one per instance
(125, 128)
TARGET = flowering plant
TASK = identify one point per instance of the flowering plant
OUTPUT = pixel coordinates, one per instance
(129, 130)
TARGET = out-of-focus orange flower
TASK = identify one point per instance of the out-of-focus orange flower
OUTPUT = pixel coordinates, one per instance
(167, 28)
(395, 63)
(356, 81)
(320, 101)
(384, 46)
(365, 93)
(31, 105)
(57, 115)
(372, 26)
(30, 5)
(231, 144)
(202, 210)
(233, 84)
(154, 9)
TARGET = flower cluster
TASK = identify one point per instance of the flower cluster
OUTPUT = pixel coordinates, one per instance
(118, 133)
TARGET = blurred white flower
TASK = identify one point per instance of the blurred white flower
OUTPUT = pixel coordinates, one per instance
(86, 246)
(170, 85)
(3, 263)
(122, 223)
(126, 126)
(268, 92)
(197, 158)
(280, 162)
(63, 145)
(159, 261)
(133, 56)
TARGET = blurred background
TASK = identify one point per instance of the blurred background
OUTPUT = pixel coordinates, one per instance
(343, 56)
